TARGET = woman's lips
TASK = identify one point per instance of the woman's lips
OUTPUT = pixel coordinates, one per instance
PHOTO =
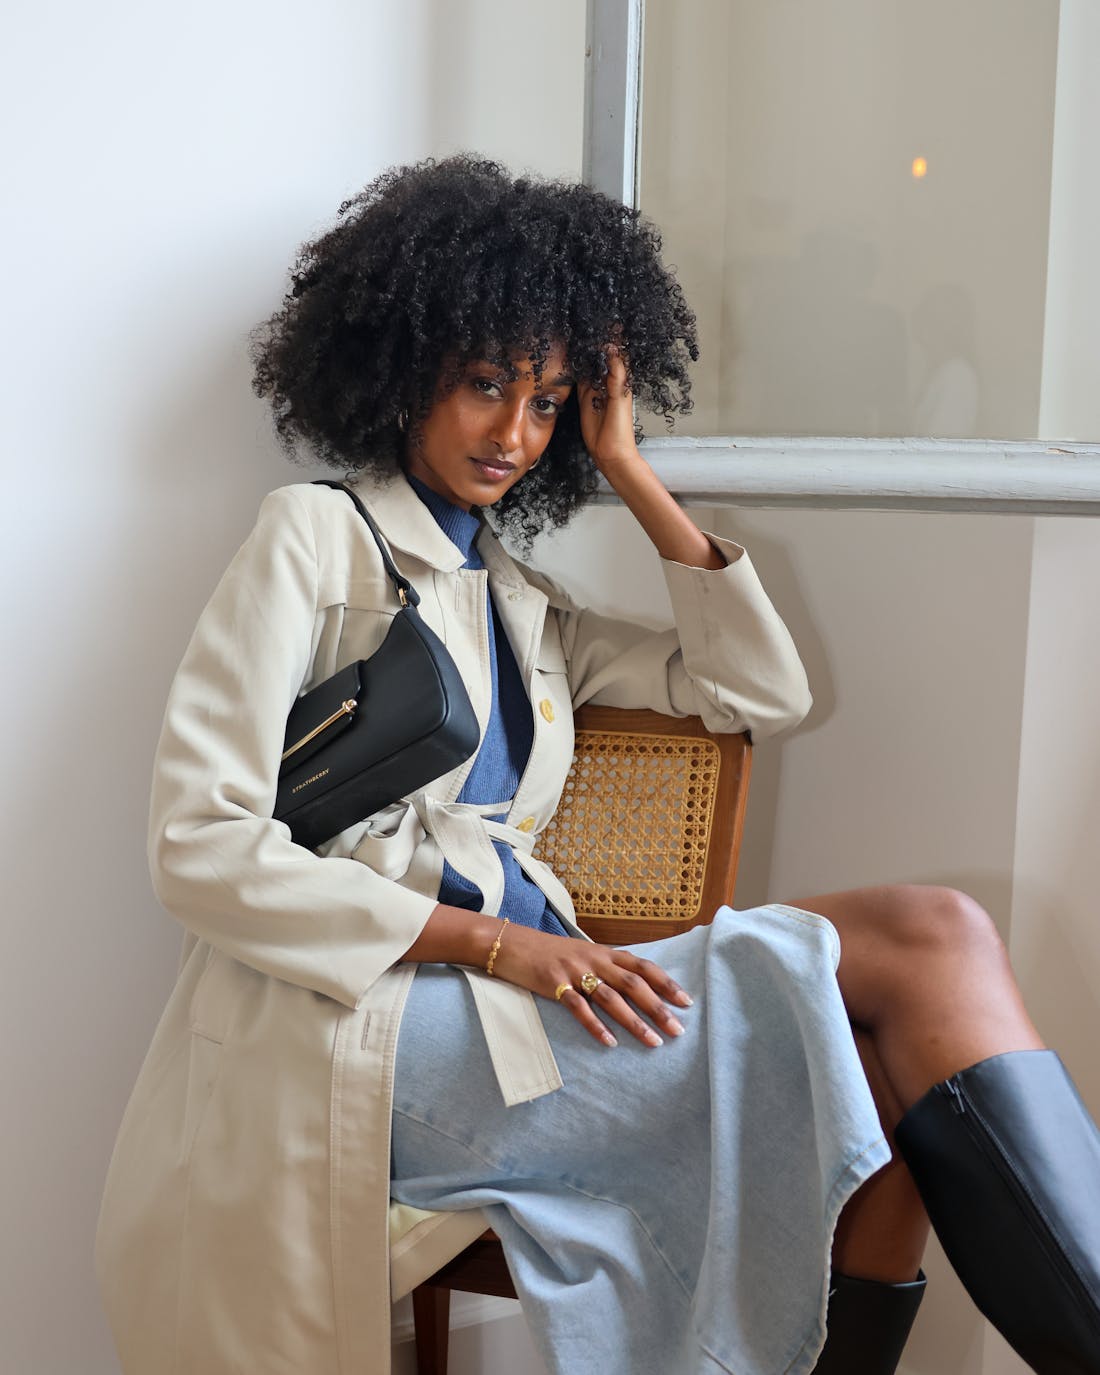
(493, 470)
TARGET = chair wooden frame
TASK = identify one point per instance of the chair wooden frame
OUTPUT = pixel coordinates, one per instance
(718, 768)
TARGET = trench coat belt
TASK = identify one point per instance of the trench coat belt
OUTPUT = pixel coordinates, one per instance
(464, 834)
(518, 1046)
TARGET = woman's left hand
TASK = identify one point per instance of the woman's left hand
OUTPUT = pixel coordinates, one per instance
(607, 424)
(607, 416)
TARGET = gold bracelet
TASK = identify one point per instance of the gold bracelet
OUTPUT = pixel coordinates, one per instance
(496, 947)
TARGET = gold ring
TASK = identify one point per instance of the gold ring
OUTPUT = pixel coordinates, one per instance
(589, 983)
(561, 988)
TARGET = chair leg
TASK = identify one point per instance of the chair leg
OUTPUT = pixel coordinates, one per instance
(431, 1328)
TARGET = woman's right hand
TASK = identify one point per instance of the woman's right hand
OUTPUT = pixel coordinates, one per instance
(631, 989)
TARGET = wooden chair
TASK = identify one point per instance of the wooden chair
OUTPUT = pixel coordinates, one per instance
(646, 839)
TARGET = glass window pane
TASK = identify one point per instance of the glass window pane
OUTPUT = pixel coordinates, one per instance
(856, 196)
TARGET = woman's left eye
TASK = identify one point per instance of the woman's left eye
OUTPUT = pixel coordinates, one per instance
(546, 405)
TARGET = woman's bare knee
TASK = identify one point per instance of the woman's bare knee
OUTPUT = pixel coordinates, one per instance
(931, 922)
(908, 915)
(898, 940)
(923, 969)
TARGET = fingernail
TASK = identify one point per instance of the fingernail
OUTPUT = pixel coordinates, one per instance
(652, 1039)
(609, 1040)
(685, 999)
(671, 1024)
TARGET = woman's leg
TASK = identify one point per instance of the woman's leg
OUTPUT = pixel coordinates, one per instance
(1003, 1152)
(882, 1232)
(877, 1284)
(924, 973)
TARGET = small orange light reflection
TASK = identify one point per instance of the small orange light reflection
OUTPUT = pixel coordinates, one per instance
(920, 167)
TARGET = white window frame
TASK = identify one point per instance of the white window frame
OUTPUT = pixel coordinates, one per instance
(912, 474)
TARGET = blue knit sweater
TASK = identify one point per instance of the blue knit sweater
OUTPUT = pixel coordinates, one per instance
(504, 750)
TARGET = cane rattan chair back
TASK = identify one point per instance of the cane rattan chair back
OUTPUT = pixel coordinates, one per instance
(646, 839)
(632, 837)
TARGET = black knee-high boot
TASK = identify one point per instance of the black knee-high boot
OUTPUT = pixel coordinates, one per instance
(1007, 1161)
(869, 1323)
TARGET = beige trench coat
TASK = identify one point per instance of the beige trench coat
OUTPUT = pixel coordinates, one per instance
(244, 1223)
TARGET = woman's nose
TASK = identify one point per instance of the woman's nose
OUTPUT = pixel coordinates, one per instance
(507, 431)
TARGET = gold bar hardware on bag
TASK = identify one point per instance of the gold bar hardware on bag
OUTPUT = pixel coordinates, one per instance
(346, 709)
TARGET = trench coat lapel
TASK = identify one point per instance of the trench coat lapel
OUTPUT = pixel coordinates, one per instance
(407, 524)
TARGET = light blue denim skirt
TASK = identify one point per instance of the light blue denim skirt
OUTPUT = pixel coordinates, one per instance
(669, 1211)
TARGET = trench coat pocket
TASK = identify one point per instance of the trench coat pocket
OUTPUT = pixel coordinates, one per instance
(214, 1005)
(216, 996)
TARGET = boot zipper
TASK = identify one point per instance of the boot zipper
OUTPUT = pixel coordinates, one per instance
(952, 1091)
(987, 1142)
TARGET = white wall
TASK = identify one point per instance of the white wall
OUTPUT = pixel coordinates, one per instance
(1055, 936)
(1055, 944)
(164, 166)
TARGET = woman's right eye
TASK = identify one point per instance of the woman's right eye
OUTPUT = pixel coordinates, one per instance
(485, 385)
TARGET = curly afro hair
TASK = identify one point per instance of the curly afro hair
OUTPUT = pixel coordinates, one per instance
(443, 262)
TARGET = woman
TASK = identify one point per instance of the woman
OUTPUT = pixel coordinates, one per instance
(464, 343)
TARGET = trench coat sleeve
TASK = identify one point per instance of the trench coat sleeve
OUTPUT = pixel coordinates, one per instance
(220, 864)
(729, 658)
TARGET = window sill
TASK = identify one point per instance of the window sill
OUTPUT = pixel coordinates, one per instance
(1011, 477)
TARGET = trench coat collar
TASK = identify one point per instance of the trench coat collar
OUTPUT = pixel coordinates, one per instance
(408, 525)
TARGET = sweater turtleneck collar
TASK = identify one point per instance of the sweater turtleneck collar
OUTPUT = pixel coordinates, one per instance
(461, 527)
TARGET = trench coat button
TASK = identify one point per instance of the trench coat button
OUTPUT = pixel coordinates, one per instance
(546, 707)
(515, 596)
(527, 824)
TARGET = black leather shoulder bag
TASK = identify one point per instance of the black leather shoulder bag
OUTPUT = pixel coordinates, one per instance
(377, 730)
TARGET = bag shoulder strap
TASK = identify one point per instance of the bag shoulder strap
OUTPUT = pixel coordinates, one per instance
(406, 592)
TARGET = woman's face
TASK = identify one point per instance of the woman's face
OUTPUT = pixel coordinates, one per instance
(481, 439)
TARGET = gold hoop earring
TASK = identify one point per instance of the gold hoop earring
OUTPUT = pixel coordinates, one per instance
(403, 419)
